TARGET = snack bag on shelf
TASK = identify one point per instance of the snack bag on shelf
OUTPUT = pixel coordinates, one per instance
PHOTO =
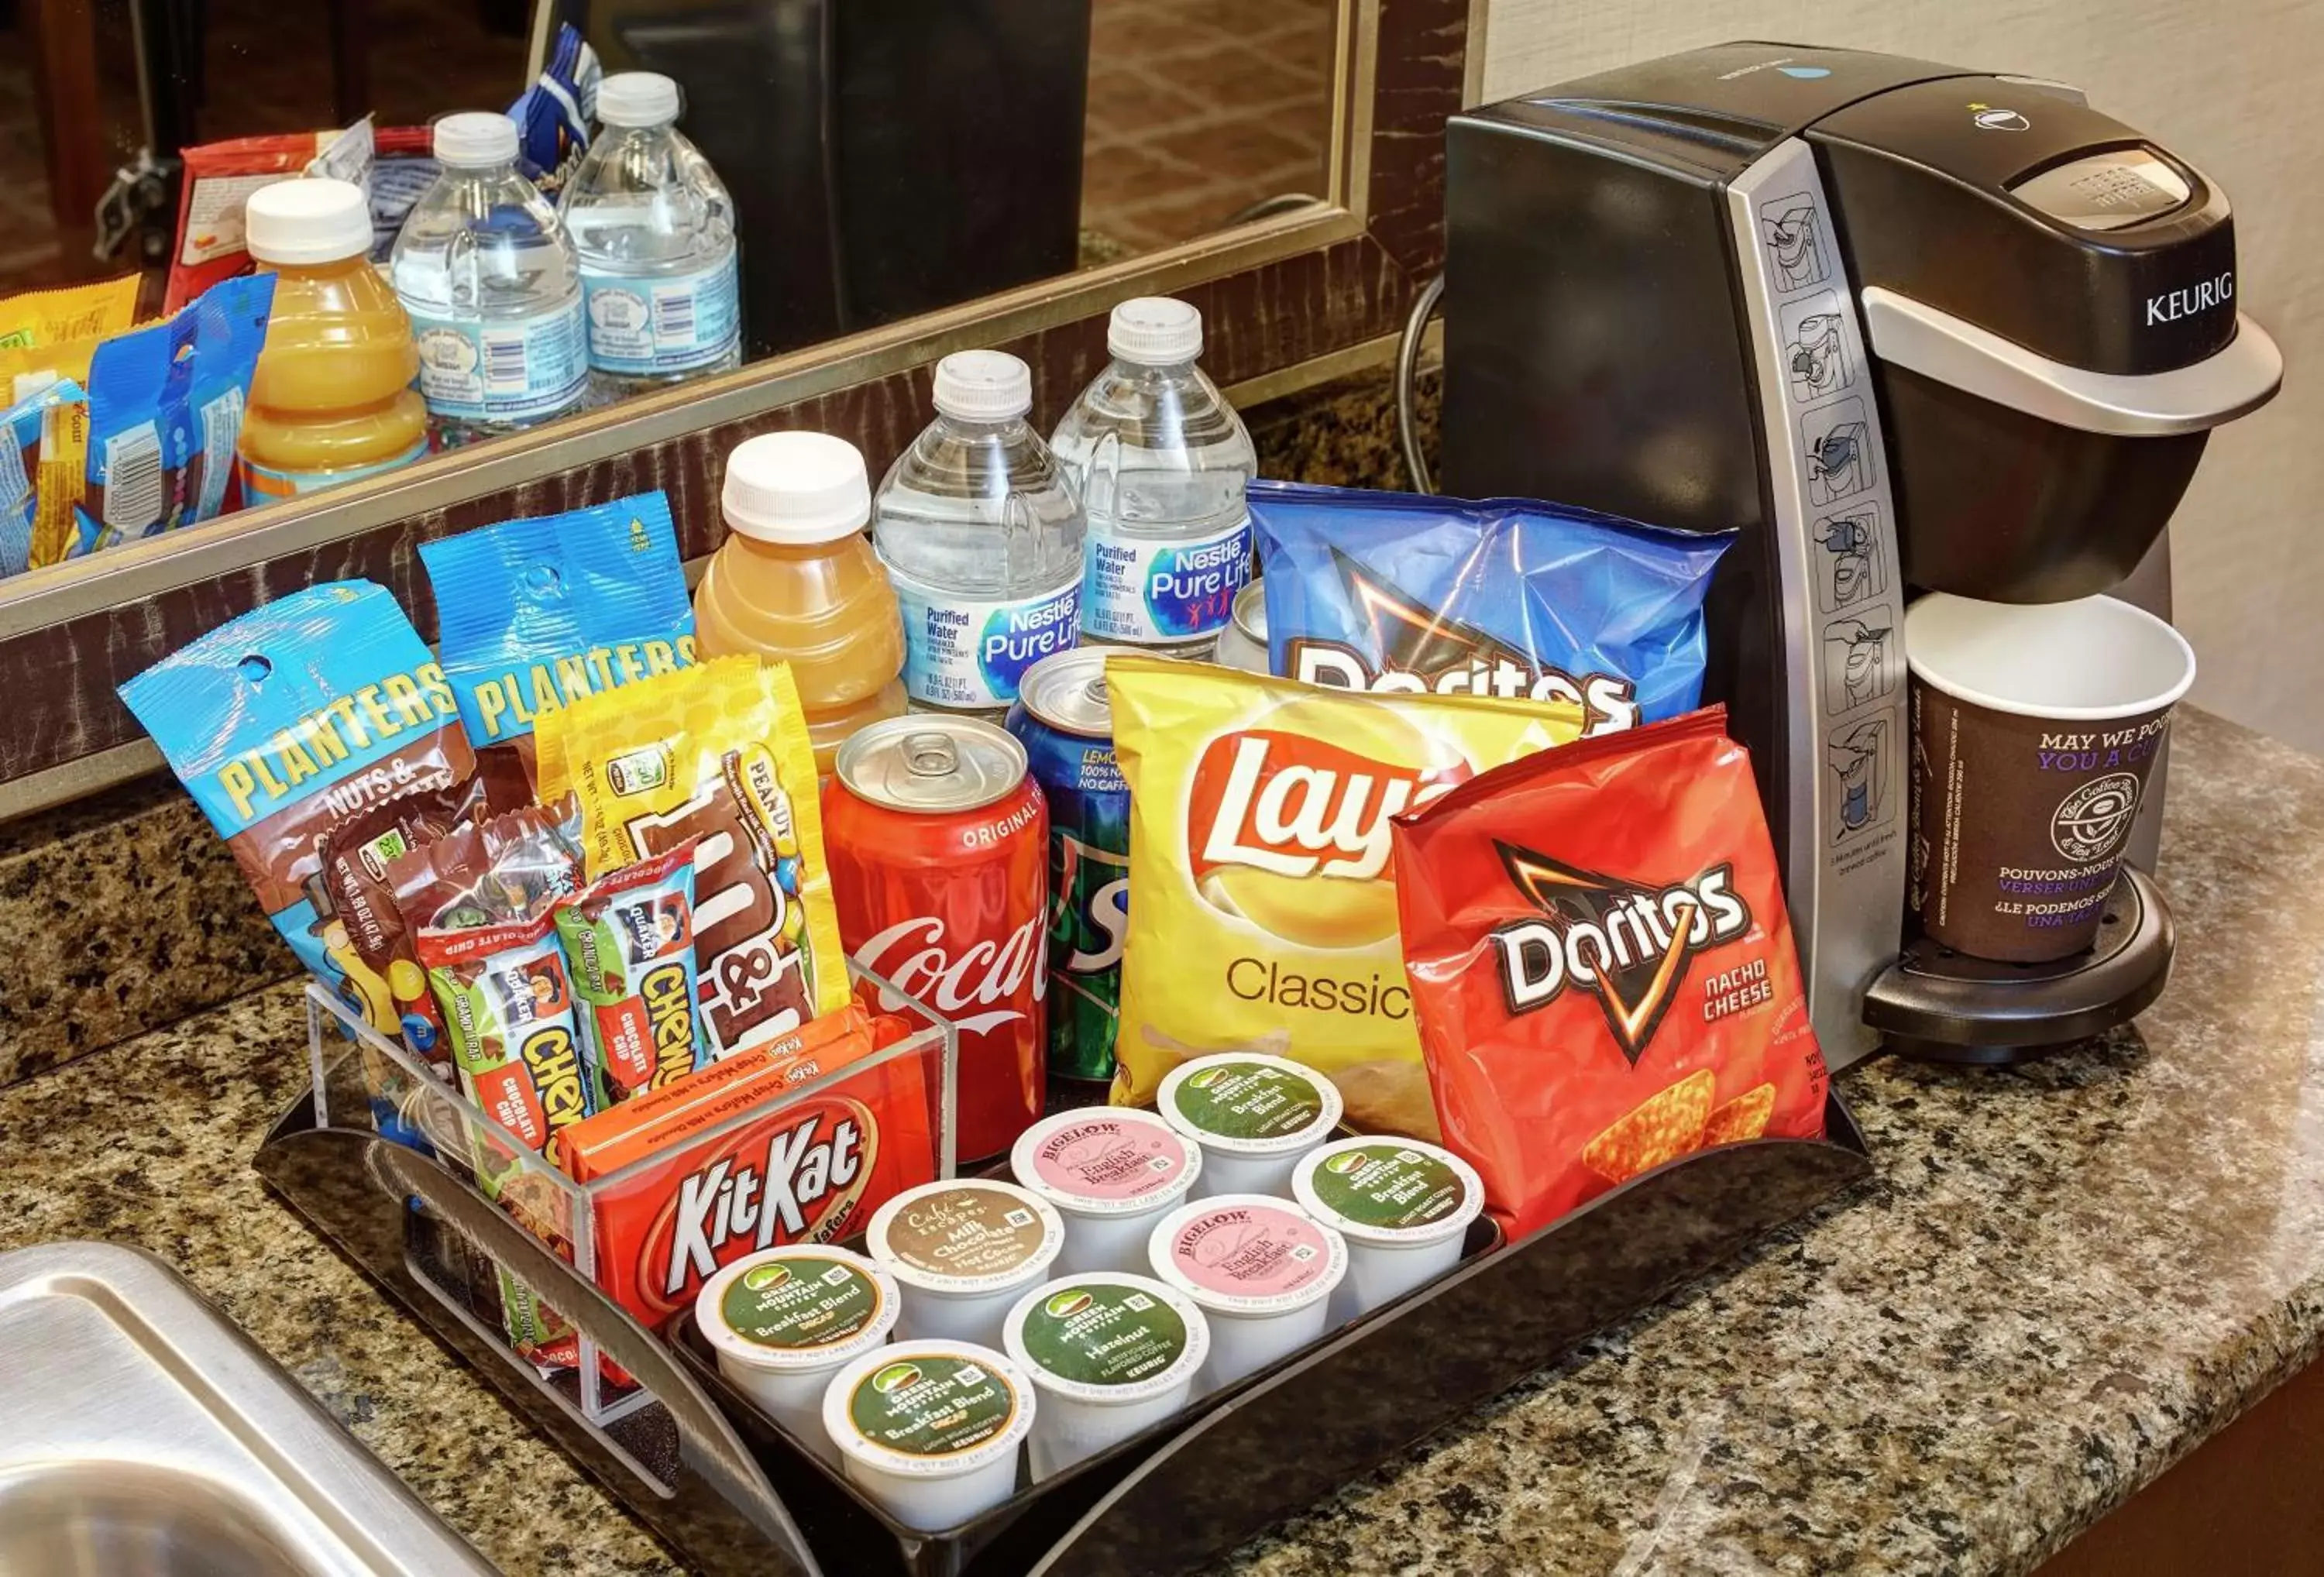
(68, 312)
(1400, 592)
(1263, 914)
(285, 721)
(230, 329)
(213, 191)
(139, 387)
(719, 752)
(534, 613)
(43, 449)
(1601, 965)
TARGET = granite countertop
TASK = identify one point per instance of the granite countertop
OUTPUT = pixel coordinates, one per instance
(2062, 1279)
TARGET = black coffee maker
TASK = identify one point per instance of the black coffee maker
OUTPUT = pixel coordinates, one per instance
(1904, 327)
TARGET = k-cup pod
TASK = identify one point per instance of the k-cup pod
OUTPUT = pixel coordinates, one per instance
(1254, 1116)
(1110, 1354)
(784, 1321)
(1262, 1271)
(964, 1251)
(1403, 1206)
(2034, 729)
(1110, 1171)
(930, 1429)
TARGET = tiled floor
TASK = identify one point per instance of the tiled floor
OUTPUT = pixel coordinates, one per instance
(1200, 108)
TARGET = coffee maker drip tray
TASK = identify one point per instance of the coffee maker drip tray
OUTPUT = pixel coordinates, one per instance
(1936, 1005)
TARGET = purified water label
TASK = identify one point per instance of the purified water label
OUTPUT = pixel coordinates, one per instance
(972, 653)
(667, 324)
(1151, 593)
(502, 372)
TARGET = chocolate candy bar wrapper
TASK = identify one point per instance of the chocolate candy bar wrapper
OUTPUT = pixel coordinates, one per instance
(718, 752)
(537, 612)
(511, 1017)
(285, 721)
(629, 943)
(510, 867)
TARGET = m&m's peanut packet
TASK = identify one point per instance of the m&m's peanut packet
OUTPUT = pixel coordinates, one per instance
(718, 752)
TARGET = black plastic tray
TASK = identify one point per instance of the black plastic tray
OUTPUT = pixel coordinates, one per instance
(731, 1493)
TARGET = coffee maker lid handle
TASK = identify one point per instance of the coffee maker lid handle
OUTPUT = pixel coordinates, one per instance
(2234, 382)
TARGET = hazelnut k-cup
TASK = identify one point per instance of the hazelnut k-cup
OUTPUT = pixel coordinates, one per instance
(2035, 728)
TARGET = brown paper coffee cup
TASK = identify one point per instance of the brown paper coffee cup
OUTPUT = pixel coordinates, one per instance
(2034, 728)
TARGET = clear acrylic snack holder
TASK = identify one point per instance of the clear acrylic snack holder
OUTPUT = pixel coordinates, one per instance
(362, 1079)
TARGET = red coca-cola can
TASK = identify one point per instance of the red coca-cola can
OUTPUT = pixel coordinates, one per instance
(939, 842)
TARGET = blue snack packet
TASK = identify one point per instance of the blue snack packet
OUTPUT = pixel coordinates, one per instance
(535, 613)
(288, 720)
(1403, 591)
(230, 321)
(139, 383)
(552, 117)
(39, 452)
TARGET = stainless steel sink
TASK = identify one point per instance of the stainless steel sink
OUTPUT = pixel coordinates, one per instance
(142, 1435)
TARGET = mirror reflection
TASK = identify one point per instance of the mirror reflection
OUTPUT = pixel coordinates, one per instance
(257, 251)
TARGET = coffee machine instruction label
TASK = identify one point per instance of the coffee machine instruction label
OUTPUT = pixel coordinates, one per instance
(1835, 545)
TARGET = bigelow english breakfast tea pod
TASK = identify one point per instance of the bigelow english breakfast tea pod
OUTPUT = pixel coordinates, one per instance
(2034, 728)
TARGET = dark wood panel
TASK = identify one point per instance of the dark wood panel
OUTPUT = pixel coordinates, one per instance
(61, 679)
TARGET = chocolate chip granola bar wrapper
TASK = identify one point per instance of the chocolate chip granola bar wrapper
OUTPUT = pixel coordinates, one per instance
(718, 752)
(286, 720)
(629, 946)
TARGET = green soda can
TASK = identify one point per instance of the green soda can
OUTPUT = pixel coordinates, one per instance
(1064, 721)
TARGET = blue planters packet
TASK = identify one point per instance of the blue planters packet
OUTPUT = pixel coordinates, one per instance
(1400, 592)
(535, 613)
(290, 719)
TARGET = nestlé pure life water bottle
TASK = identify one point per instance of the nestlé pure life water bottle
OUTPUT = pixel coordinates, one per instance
(655, 231)
(488, 277)
(982, 534)
(1160, 460)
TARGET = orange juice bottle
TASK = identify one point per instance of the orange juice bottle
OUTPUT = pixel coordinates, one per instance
(332, 399)
(797, 581)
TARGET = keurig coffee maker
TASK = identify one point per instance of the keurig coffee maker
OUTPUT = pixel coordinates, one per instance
(1904, 327)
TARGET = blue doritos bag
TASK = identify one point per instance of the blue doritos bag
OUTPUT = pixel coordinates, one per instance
(290, 719)
(534, 613)
(1402, 592)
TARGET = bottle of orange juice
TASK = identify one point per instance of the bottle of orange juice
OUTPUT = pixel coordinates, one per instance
(797, 580)
(332, 399)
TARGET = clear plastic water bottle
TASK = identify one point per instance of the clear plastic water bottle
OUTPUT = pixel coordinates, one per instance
(489, 278)
(1160, 460)
(655, 230)
(982, 534)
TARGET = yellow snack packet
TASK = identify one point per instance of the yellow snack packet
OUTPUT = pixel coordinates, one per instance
(48, 318)
(1263, 914)
(719, 752)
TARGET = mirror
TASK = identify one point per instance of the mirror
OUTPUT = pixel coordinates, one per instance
(880, 161)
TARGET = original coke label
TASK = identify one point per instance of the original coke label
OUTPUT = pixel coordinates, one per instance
(980, 985)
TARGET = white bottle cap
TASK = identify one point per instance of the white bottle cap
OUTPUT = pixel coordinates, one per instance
(983, 385)
(637, 98)
(307, 221)
(797, 488)
(1154, 331)
(475, 139)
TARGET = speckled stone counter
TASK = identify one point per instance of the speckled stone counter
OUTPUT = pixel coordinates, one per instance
(2062, 1279)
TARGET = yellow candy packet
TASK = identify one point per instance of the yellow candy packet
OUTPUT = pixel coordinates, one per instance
(1263, 913)
(49, 317)
(720, 752)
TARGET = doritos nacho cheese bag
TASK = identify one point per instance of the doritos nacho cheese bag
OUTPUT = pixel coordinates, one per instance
(537, 612)
(1404, 593)
(1263, 913)
(288, 720)
(1602, 967)
(718, 752)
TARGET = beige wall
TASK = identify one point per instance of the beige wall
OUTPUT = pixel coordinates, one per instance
(2238, 91)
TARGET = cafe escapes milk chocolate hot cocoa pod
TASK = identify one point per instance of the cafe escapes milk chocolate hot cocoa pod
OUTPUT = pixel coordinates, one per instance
(1602, 967)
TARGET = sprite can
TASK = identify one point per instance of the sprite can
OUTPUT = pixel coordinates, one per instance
(1065, 724)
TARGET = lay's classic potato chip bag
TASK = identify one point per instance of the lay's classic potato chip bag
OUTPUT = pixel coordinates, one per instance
(1263, 913)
